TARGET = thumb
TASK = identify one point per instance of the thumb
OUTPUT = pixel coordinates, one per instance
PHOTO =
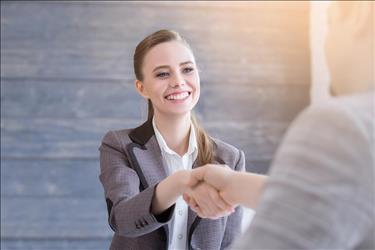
(196, 176)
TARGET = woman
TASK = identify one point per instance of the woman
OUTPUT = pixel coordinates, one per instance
(144, 171)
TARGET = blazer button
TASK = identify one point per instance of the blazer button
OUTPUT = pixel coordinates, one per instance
(140, 223)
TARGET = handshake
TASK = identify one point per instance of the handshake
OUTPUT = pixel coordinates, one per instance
(211, 191)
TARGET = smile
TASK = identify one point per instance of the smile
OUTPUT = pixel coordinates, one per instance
(178, 96)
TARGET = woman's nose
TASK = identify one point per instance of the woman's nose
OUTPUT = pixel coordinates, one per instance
(177, 81)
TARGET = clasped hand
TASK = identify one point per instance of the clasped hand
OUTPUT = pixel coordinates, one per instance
(209, 192)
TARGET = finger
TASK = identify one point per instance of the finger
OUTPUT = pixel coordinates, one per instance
(196, 176)
(195, 207)
(224, 209)
(186, 197)
(200, 213)
(216, 198)
(201, 202)
(208, 204)
(193, 203)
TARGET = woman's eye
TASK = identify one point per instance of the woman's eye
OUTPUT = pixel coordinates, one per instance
(162, 74)
(188, 70)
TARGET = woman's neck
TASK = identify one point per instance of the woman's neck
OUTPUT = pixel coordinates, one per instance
(175, 131)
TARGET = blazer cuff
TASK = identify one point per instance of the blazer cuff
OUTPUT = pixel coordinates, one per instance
(134, 218)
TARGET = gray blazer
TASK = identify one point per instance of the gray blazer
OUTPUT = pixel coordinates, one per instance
(131, 166)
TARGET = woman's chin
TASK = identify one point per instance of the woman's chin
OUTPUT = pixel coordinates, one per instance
(177, 111)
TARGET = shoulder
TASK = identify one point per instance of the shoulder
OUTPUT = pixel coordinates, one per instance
(227, 153)
(117, 138)
(350, 115)
(331, 138)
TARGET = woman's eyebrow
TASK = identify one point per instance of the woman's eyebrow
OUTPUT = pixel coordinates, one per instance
(166, 66)
(160, 67)
(187, 62)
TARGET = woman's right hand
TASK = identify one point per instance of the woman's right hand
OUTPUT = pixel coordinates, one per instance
(219, 177)
(207, 202)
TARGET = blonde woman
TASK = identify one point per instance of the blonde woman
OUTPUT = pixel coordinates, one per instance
(144, 171)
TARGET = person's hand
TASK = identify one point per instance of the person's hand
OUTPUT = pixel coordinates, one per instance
(206, 202)
(219, 177)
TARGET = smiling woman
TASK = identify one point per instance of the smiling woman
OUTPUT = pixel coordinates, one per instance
(145, 171)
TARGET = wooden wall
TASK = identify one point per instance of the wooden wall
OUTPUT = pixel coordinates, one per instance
(67, 78)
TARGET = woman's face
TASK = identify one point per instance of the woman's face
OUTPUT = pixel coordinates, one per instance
(170, 79)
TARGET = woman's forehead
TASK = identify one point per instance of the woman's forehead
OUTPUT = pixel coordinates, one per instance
(169, 53)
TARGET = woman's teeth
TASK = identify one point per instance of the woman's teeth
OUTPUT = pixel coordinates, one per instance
(178, 96)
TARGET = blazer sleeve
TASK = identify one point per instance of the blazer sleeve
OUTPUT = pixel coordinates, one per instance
(129, 210)
(233, 224)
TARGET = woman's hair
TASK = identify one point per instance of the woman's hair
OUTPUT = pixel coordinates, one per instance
(205, 143)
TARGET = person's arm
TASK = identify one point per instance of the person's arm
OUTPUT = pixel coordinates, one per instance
(133, 213)
(168, 191)
(206, 201)
(320, 191)
(234, 187)
(234, 221)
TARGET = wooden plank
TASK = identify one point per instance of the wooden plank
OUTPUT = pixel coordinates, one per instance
(59, 98)
(71, 138)
(60, 218)
(252, 103)
(54, 178)
(52, 137)
(55, 244)
(258, 141)
(239, 45)
(234, 102)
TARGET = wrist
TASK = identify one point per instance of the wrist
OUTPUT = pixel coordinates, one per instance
(182, 180)
(235, 180)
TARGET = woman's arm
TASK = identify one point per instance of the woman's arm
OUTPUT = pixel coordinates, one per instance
(168, 190)
(132, 212)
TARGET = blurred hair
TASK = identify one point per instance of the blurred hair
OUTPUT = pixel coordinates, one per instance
(204, 142)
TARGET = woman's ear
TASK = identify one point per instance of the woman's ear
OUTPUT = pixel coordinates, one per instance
(141, 89)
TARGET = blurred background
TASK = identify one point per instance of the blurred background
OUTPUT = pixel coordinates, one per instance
(67, 78)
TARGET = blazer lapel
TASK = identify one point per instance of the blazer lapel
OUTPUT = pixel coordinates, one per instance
(146, 155)
(150, 162)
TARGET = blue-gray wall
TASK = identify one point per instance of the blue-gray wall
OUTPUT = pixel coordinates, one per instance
(67, 78)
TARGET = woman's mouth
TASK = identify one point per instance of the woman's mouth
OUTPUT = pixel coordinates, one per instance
(178, 96)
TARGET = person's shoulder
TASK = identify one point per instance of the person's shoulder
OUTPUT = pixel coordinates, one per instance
(226, 152)
(360, 106)
(222, 146)
(347, 112)
(118, 137)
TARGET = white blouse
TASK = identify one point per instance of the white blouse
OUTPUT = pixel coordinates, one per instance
(174, 162)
